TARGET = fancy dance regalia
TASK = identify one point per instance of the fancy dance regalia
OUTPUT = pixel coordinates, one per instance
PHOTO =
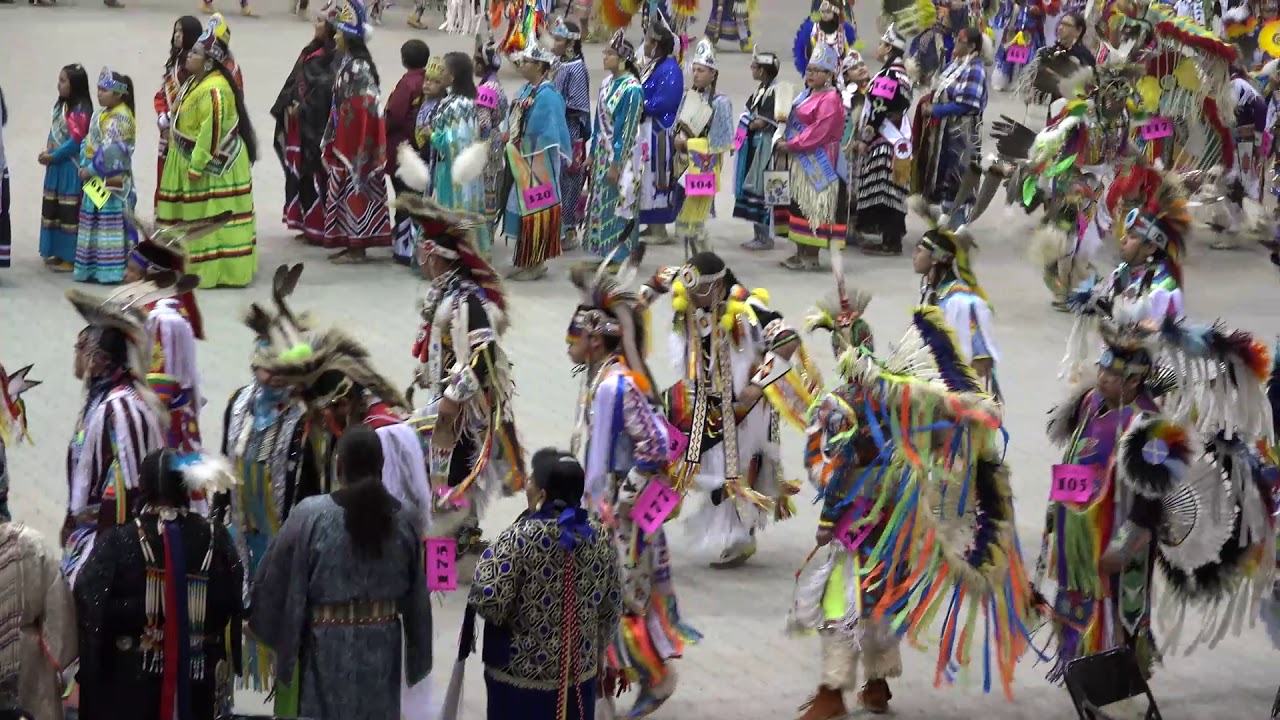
(159, 601)
(301, 112)
(663, 83)
(1023, 24)
(1244, 177)
(107, 155)
(573, 82)
(537, 149)
(612, 225)
(466, 373)
(727, 343)
(910, 517)
(951, 285)
(706, 125)
(489, 124)
(1157, 473)
(624, 441)
(353, 147)
(755, 156)
(884, 166)
(266, 437)
(332, 374)
(174, 324)
(825, 27)
(819, 197)
(13, 426)
(120, 421)
(731, 20)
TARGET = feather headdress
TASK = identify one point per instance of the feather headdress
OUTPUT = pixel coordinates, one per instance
(282, 335)
(609, 308)
(450, 234)
(948, 246)
(336, 364)
(165, 248)
(123, 312)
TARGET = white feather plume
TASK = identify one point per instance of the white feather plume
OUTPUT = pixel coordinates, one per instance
(209, 474)
(413, 171)
(470, 163)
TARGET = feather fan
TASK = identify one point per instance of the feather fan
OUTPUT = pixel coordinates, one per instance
(470, 162)
(412, 170)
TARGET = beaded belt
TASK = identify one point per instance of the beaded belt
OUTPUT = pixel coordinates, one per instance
(354, 613)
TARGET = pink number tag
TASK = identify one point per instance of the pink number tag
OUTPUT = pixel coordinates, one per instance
(884, 87)
(487, 97)
(1074, 483)
(1267, 140)
(654, 505)
(700, 184)
(677, 443)
(1156, 128)
(739, 138)
(441, 564)
(459, 503)
(852, 540)
(1018, 54)
(539, 197)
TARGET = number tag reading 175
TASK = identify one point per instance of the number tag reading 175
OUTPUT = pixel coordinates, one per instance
(700, 184)
(1074, 483)
(539, 197)
(441, 558)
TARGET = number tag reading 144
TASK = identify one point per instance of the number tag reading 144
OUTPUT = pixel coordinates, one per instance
(700, 184)
(539, 197)
(1074, 483)
(884, 87)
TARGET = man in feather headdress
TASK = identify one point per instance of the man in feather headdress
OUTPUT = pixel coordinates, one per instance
(474, 452)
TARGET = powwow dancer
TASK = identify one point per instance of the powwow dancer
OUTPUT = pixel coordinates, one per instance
(1024, 36)
(454, 144)
(757, 127)
(732, 353)
(573, 82)
(120, 421)
(106, 157)
(186, 31)
(663, 83)
(492, 106)
(473, 453)
(731, 20)
(825, 27)
(898, 519)
(301, 112)
(625, 442)
(704, 135)
(1166, 427)
(949, 122)
(13, 426)
(617, 162)
(883, 150)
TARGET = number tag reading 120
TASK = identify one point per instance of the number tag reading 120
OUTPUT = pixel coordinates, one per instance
(700, 184)
(487, 97)
(1156, 128)
(539, 197)
(1018, 54)
(654, 506)
(1074, 483)
(884, 87)
(441, 559)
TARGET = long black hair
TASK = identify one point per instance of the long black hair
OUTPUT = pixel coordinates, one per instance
(247, 133)
(78, 82)
(631, 67)
(464, 73)
(709, 263)
(127, 96)
(664, 43)
(191, 30)
(327, 42)
(560, 476)
(369, 508)
(357, 48)
(575, 45)
(160, 482)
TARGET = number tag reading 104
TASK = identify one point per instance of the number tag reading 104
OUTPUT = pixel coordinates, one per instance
(884, 87)
(487, 97)
(539, 197)
(441, 558)
(700, 184)
(654, 506)
(1018, 54)
(1156, 128)
(1074, 483)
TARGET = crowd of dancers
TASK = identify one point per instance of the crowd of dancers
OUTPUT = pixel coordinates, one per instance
(291, 558)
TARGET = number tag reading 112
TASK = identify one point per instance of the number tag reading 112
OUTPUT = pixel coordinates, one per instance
(539, 197)
(441, 558)
(1074, 483)
(654, 506)
(1018, 54)
(700, 184)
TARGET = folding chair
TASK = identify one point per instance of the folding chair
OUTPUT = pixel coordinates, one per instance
(1096, 681)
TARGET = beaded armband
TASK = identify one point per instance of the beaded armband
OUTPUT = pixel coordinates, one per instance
(463, 384)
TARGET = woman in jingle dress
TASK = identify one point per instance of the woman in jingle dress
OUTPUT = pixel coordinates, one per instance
(706, 154)
(301, 112)
(573, 82)
(491, 109)
(819, 203)
(107, 155)
(616, 163)
(354, 147)
(186, 31)
(731, 20)
(882, 177)
(755, 155)
(211, 148)
(60, 212)
(454, 130)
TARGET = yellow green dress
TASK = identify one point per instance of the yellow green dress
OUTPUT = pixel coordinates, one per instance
(207, 172)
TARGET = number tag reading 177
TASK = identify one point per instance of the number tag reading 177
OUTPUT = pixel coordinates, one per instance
(441, 558)
(700, 184)
(654, 506)
(1074, 483)
(539, 197)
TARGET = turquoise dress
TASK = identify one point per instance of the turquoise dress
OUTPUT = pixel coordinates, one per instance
(455, 129)
(105, 236)
(60, 208)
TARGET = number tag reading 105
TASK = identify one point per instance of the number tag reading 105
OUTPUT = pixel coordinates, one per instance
(700, 184)
(1156, 128)
(441, 558)
(539, 197)
(487, 97)
(654, 506)
(1018, 54)
(1074, 483)
(884, 87)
